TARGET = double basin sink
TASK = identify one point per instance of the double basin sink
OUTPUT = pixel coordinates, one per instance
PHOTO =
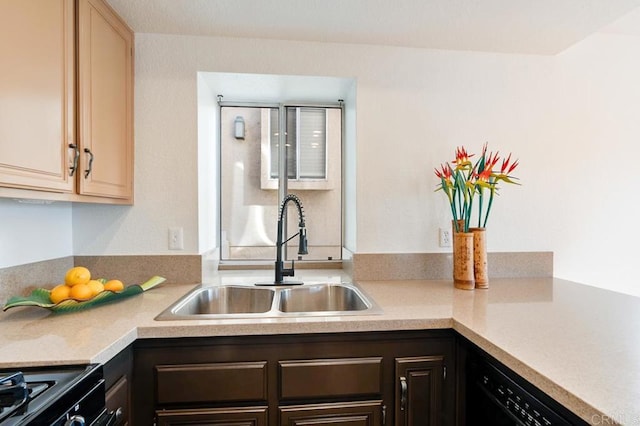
(249, 301)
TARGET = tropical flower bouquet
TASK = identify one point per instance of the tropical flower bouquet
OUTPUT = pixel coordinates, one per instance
(462, 183)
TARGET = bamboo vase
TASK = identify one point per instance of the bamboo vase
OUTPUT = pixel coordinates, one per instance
(460, 228)
(463, 261)
(480, 269)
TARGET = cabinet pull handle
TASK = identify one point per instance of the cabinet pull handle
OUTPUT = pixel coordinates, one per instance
(86, 172)
(76, 155)
(403, 393)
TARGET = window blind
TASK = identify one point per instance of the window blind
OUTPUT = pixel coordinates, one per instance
(306, 143)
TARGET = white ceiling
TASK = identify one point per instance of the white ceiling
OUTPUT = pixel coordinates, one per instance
(512, 26)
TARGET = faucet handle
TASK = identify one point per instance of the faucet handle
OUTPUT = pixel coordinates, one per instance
(290, 272)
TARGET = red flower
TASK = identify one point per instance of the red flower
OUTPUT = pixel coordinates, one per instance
(462, 158)
(466, 180)
(445, 172)
(506, 169)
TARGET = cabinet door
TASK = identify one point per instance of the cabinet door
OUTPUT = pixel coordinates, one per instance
(105, 101)
(36, 94)
(366, 413)
(419, 383)
(117, 398)
(245, 416)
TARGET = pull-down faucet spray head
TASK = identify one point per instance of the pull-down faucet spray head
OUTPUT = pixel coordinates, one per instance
(302, 241)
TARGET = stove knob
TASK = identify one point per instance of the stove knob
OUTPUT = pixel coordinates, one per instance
(75, 420)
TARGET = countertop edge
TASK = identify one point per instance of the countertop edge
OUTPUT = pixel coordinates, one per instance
(578, 406)
(408, 305)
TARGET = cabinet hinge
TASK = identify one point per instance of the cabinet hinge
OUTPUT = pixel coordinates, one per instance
(444, 373)
(384, 415)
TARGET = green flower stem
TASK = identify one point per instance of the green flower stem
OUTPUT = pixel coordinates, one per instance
(481, 192)
(467, 218)
(486, 217)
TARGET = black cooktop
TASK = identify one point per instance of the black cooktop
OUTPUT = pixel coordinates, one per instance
(41, 395)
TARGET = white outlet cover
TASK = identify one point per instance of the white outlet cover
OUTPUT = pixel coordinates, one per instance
(176, 239)
(445, 237)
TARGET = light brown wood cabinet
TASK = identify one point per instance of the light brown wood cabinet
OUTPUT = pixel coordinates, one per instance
(66, 102)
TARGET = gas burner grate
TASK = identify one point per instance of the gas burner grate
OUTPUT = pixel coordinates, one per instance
(13, 393)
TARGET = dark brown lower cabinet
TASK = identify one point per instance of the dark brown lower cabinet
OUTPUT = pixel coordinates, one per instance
(245, 416)
(118, 377)
(366, 413)
(342, 379)
(419, 382)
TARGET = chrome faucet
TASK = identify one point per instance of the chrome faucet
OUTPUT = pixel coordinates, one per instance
(281, 271)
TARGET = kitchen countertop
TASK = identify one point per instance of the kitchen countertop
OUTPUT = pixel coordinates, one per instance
(579, 344)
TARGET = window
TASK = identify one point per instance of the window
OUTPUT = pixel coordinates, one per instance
(306, 143)
(249, 180)
(313, 145)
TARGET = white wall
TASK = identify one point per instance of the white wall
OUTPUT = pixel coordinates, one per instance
(571, 119)
(34, 232)
(597, 237)
(208, 167)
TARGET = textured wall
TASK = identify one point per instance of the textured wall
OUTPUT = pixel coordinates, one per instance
(571, 119)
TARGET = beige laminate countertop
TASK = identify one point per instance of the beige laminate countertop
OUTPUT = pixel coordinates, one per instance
(579, 344)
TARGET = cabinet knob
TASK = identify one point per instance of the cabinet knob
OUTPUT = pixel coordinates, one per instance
(75, 421)
(86, 172)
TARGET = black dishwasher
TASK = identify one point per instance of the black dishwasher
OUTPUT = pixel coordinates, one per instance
(497, 396)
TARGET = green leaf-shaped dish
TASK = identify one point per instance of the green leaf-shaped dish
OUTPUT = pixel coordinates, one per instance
(40, 298)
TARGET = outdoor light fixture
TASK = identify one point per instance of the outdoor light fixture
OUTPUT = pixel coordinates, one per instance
(238, 126)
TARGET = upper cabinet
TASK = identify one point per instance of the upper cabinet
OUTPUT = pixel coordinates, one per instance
(37, 93)
(105, 101)
(66, 102)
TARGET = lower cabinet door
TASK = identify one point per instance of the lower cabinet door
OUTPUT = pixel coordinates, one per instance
(365, 413)
(117, 397)
(240, 416)
(419, 382)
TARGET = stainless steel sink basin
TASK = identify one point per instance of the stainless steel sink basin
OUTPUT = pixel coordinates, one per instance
(226, 300)
(322, 298)
(248, 301)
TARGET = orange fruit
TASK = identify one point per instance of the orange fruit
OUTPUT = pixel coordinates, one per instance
(59, 293)
(96, 287)
(77, 275)
(114, 285)
(80, 292)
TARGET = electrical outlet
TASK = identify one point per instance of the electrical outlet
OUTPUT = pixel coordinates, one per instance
(176, 239)
(445, 237)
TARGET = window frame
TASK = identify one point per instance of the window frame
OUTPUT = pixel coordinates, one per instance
(284, 186)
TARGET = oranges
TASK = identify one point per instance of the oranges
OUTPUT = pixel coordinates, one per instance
(79, 286)
(81, 292)
(114, 285)
(96, 287)
(77, 275)
(59, 293)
